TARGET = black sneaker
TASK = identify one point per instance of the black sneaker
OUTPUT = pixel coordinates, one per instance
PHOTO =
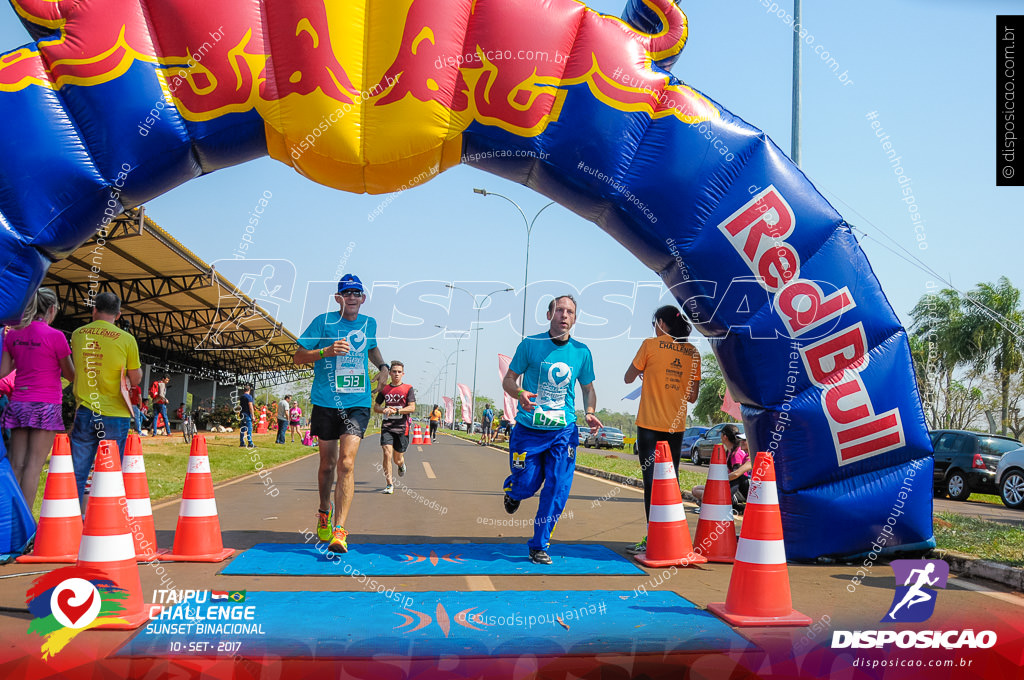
(511, 504)
(539, 557)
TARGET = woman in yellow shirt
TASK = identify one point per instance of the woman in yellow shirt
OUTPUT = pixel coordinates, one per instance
(670, 369)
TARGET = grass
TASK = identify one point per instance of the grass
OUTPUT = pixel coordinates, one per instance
(627, 467)
(166, 460)
(987, 540)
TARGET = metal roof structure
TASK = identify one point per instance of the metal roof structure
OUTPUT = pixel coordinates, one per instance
(184, 315)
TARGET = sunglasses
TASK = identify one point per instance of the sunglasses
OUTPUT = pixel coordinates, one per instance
(351, 292)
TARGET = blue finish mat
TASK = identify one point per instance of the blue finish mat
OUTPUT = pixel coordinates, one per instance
(428, 624)
(425, 559)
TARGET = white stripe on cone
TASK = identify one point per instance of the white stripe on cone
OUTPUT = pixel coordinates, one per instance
(754, 551)
(716, 513)
(106, 548)
(107, 485)
(667, 513)
(199, 464)
(718, 472)
(664, 471)
(61, 465)
(139, 507)
(198, 507)
(763, 493)
(60, 507)
(133, 465)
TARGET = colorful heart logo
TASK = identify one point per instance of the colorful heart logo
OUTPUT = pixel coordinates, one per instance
(75, 603)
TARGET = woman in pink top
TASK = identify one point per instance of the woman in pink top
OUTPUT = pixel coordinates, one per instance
(293, 421)
(41, 356)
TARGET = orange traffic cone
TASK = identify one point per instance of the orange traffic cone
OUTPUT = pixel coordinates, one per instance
(60, 519)
(197, 538)
(427, 441)
(668, 534)
(759, 592)
(107, 541)
(716, 529)
(417, 435)
(140, 511)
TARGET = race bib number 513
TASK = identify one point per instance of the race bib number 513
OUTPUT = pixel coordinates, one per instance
(350, 382)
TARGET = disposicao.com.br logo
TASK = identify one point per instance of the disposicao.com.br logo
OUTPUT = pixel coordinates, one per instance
(913, 602)
(67, 601)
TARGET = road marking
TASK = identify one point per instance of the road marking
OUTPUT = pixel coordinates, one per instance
(1005, 597)
(419, 448)
(479, 583)
(429, 470)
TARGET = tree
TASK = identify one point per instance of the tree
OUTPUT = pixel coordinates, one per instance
(996, 319)
(712, 391)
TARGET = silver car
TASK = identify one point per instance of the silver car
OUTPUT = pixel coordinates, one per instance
(1010, 478)
(606, 437)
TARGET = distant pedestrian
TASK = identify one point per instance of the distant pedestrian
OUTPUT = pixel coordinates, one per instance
(295, 420)
(283, 407)
(247, 415)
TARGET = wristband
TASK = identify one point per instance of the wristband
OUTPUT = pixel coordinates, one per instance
(520, 392)
(321, 352)
(384, 367)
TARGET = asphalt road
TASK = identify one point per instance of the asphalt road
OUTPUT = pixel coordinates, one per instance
(465, 480)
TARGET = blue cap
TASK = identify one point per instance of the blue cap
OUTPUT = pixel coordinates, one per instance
(350, 282)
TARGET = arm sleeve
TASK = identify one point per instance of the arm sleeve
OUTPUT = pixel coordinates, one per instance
(371, 333)
(380, 398)
(587, 369)
(521, 361)
(312, 337)
(132, 361)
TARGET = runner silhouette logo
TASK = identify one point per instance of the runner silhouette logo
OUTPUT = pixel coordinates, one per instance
(914, 600)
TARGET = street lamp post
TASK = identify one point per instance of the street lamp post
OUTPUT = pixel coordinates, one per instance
(455, 394)
(447, 362)
(529, 228)
(476, 352)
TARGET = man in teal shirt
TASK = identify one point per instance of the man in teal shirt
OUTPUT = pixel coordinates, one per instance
(340, 345)
(542, 448)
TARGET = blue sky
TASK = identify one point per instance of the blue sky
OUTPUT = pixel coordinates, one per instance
(926, 68)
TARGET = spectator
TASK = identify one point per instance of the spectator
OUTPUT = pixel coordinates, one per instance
(160, 405)
(41, 356)
(135, 397)
(670, 369)
(739, 464)
(283, 408)
(435, 419)
(295, 420)
(108, 359)
(487, 421)
(180, 413)
(247, 416)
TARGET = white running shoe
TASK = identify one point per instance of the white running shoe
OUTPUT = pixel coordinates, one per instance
(388, 489)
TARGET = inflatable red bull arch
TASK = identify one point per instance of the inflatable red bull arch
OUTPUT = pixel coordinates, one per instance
(118, 101)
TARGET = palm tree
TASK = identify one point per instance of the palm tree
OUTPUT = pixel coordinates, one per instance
(946, 341)
(996, 320)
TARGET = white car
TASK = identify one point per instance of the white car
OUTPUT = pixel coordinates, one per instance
(1010, 478)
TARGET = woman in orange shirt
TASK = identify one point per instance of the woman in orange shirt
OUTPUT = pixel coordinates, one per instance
(670, 369)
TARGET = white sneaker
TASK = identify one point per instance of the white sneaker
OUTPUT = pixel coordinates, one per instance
(388, 489)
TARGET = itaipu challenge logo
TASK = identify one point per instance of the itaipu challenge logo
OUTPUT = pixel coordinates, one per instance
(68, 601)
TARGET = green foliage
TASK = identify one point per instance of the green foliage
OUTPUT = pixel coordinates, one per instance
(708, 410)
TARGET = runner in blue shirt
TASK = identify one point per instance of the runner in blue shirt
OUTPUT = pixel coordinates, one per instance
(340, 346)
(542, 448)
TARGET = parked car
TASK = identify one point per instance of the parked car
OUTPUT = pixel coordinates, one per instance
(690, 437)
(1010, 479)
(584, 432)
(700, 452)
(606, 438)
(965, 462)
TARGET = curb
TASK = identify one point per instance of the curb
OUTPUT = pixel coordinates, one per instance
(968, 565)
